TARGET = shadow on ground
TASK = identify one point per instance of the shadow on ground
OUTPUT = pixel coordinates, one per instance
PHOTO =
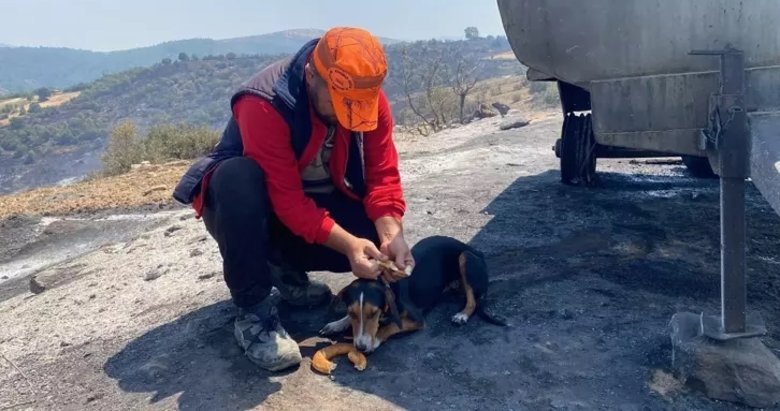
(191, 356)
(588, 277)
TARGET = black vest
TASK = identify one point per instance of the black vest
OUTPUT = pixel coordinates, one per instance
(282, 84)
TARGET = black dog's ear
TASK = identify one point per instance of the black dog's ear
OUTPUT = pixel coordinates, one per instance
(392, 307)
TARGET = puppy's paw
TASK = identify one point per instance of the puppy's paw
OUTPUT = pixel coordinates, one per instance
(460, 318)
(335, 327)
(331, 329)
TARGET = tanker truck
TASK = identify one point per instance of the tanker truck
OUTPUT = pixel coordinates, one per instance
(698, 79)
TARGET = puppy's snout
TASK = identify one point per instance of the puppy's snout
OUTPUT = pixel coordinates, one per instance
(364, 344)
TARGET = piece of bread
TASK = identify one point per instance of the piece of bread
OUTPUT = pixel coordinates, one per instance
(321, 360)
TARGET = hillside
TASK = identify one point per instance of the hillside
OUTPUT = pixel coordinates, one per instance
(26, 68)
(61, 143)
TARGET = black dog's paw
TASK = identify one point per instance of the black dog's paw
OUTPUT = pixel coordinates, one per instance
(460, 318)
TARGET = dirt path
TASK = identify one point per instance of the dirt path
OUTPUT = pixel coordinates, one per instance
(589, 279)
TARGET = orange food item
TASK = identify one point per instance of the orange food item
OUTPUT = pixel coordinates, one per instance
(321, 360)
(358, 359)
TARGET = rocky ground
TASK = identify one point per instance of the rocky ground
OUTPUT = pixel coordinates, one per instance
(133, 312)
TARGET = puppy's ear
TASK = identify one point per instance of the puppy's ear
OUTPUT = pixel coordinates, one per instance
(391, 307)
(340, 295)
(338, 305)
(343, 294)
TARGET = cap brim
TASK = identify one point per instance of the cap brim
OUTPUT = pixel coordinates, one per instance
(363, 112)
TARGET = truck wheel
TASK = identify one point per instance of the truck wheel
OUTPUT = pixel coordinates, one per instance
(699, 166)
(576, 150)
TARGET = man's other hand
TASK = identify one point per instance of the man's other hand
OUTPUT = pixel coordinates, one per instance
(393, 245)
(397, 250)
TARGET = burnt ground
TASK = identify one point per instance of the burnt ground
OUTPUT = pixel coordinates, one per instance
(588, 277)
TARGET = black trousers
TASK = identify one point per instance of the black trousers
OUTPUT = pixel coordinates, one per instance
(238, 215)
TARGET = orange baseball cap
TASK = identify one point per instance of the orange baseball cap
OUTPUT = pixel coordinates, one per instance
(352, 62)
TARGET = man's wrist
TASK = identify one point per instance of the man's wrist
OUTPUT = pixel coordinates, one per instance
(388, 228)
(341, 240)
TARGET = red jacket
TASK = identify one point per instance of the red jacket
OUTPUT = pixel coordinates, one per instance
(266, 139)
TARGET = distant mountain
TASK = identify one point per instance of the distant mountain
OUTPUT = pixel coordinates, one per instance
(27, 68)
(56, 143)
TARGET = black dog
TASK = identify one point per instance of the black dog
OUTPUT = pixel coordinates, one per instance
(376, 311)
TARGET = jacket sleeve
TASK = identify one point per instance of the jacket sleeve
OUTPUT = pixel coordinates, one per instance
(384, 193)
(266, 140)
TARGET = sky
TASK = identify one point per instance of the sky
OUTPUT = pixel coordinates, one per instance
(104, 25)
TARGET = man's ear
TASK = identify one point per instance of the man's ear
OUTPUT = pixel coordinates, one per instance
(308, 72)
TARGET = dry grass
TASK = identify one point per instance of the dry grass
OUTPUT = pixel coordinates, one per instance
(11, 101)
(507, 55)
(56, 99)
(510, 90)
(59, 99)
(150, 185)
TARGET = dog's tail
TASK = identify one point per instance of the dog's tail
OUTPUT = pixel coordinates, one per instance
(484, 313)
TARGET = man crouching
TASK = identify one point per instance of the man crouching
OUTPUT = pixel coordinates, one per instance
(304, 178)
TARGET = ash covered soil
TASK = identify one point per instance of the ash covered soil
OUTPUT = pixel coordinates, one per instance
(589, 279)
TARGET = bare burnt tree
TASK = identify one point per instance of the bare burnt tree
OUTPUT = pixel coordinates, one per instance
(464, 79)
(423, 76)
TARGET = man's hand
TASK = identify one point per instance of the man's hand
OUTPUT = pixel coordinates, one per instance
(393, 245)
(363, 256)
(362, 253)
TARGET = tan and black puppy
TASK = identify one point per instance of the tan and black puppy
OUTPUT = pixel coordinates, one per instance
(376, 312)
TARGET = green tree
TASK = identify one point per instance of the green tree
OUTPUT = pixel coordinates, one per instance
(124, 149)
(178, 141)
(183, 56)
(472, 33)
(34, 108)
(9, 144)
(43, 94)
(29, 158)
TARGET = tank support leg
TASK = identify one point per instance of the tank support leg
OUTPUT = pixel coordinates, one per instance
(727, 142)
(724, 354)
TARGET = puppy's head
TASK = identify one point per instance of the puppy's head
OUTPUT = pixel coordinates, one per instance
(367, 302)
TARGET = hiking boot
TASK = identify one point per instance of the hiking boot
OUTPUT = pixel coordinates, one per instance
(297, 289)
(265, 342)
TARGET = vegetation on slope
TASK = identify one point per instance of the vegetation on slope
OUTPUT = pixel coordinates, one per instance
(183, 91)
(198, 91)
